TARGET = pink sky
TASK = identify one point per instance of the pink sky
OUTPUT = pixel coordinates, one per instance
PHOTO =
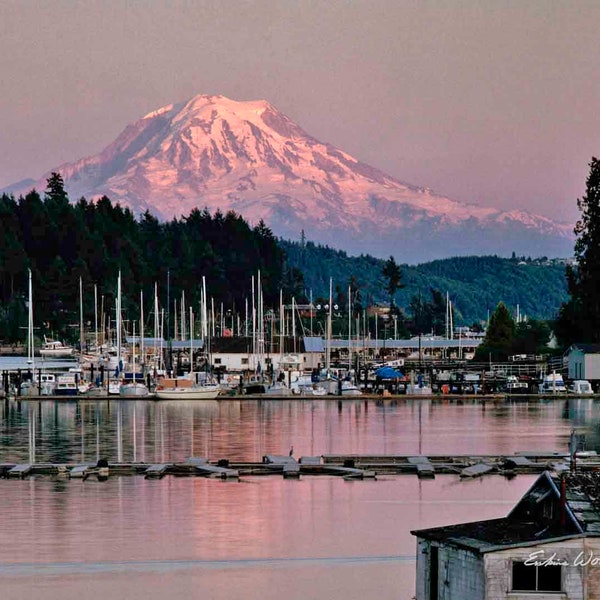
(489, 102)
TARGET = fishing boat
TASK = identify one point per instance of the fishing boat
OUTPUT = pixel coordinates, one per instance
(66, 385)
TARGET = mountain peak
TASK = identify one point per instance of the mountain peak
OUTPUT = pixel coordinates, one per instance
(247, 156)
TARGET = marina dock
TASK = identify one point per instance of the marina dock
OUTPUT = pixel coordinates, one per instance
(346, 466)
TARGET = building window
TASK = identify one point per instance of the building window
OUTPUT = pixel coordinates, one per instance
(217, 361)
(244, 361)
(548, 510)
(531, 578)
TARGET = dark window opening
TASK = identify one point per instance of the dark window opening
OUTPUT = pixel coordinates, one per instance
(532, 578)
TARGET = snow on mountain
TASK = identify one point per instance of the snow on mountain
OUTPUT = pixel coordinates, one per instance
(247, 156)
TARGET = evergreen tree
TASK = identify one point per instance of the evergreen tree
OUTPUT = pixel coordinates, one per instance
(531, 337)
(499, 336)
(579, 318)
(392, 273)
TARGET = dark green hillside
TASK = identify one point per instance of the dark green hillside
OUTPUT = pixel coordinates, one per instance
(475, 283)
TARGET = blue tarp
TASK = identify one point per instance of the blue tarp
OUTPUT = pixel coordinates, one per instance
(388, 373)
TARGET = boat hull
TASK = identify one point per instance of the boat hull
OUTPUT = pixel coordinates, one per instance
(133, 389)
(209, 392)
(62, 353)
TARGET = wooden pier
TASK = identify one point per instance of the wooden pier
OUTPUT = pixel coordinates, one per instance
(345, 466)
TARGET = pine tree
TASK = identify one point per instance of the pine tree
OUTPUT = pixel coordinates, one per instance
(391, 271)
(499, 336)
(579, 318)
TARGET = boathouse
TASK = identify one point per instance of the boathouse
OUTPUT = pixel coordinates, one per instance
(547, 547)
(583, 362)
(235, 354)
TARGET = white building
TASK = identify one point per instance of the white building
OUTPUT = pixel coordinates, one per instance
(583, 361)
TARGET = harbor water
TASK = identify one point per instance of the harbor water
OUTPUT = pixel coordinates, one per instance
(259, 537)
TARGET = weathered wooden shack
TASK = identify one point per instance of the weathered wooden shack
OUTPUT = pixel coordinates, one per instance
(547, 547)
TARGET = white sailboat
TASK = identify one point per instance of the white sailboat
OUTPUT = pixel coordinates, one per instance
(189, 387)
(133, 387)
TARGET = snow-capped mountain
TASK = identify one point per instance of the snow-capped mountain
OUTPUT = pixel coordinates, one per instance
(247, 156)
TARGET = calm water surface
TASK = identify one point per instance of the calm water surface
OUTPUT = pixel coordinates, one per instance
(261, 537)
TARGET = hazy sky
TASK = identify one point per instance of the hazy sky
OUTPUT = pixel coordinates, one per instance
(490, 102)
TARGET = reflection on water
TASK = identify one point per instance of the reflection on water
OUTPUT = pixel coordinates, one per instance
(261, 537)
(150, 431)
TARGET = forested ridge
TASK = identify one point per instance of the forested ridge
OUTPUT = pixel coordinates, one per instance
(475, 284)
(61, 242)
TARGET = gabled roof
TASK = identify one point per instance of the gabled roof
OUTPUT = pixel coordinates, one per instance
(586, 348)
(524, 525)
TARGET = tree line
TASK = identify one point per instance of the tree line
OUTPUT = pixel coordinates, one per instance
(62, 242)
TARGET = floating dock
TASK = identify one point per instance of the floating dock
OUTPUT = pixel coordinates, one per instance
(345, 466)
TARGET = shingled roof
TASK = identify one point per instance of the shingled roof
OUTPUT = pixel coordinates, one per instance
(523, 525)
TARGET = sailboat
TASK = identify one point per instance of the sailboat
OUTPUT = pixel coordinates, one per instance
(190, 386)
(135, 387)
(114, 383)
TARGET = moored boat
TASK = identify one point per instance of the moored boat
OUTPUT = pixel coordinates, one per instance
(184, 388)
(133, 388)
(66, 385)
(55, 349)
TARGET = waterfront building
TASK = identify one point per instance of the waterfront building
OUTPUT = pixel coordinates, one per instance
(548, 547)
(583, 362)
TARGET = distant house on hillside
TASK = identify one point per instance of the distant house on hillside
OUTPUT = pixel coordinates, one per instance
(547, 548)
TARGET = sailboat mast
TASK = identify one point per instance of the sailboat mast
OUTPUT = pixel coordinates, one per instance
(30, 349)
(204, 310)
(119, 321)
(156, 317)
(253, 326)
(294, 323)
(349, 328)
(191, 324)
(329, 318)
(96, 315)
(81, 332)
(142, 326)
(281, 322)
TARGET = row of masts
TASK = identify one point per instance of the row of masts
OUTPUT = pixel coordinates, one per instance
(212, 322)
